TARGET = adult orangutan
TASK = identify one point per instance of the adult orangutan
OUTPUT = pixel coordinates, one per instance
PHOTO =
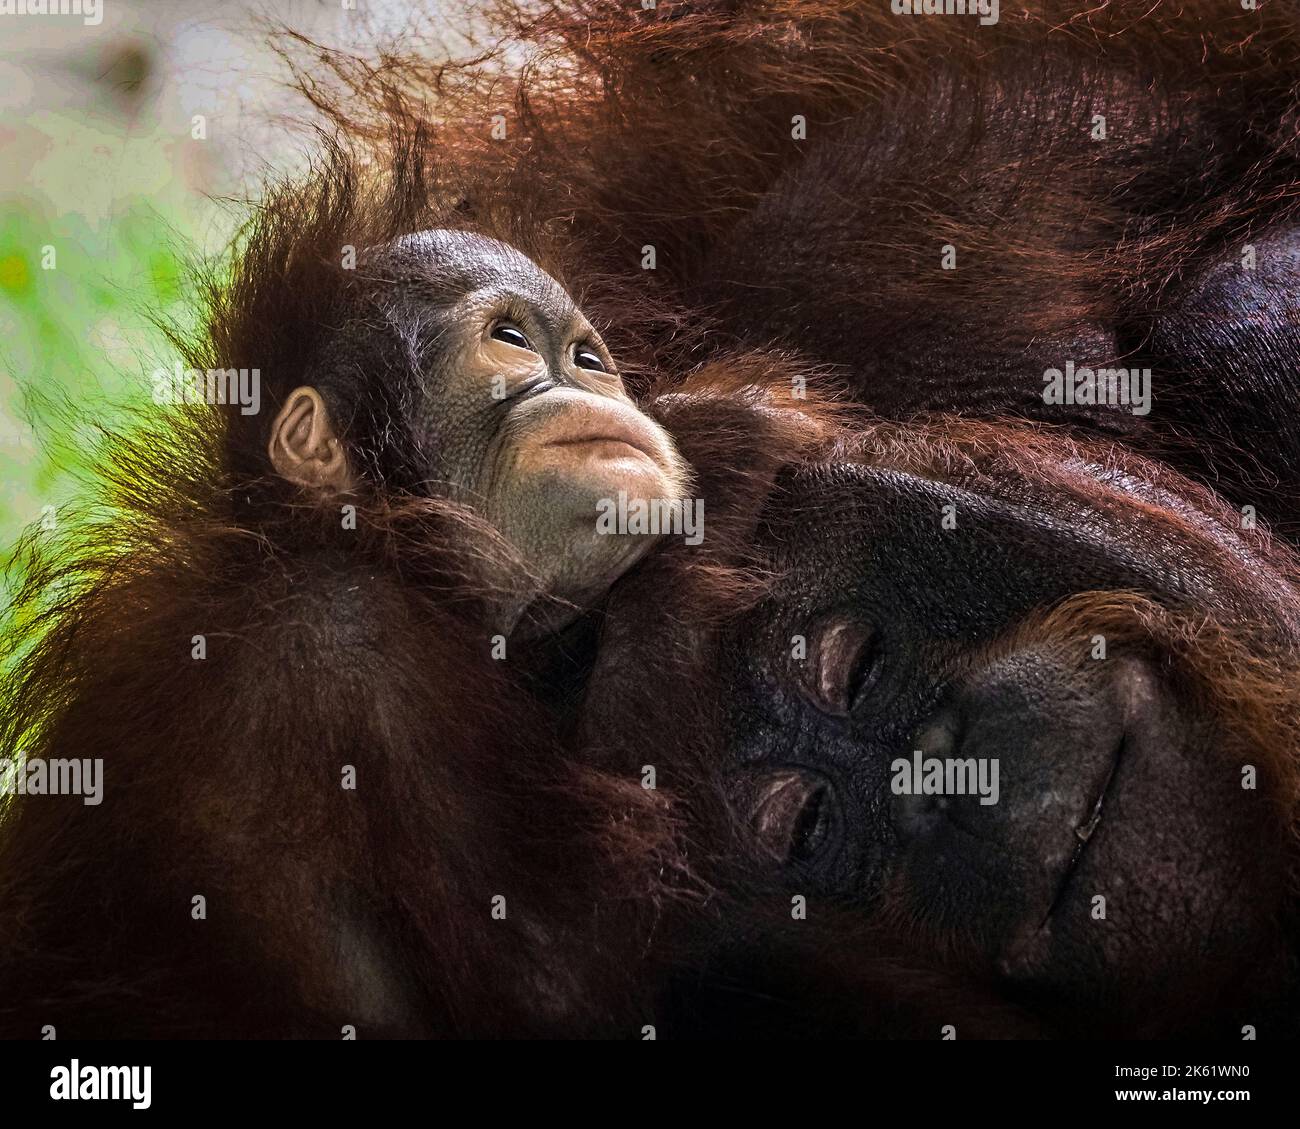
(699, 777)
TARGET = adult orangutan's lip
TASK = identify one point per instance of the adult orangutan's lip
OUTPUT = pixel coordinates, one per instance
(1084, 832)
(1026, 949)
(1024, 957)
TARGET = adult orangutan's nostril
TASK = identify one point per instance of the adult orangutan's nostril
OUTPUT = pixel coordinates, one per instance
(916, 812)
(918, 816)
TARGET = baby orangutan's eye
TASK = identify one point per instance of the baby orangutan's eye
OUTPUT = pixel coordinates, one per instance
(511, 335)
(585, 358)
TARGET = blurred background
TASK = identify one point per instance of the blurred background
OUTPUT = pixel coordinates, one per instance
(125, 147)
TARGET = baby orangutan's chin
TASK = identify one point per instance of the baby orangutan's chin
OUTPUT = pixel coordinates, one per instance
(560, 511)
(573, 466)
(568, 570)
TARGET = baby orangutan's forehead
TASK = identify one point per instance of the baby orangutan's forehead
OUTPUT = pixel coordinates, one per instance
(455, 264)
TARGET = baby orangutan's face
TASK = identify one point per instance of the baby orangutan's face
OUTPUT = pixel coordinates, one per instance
(523, 413)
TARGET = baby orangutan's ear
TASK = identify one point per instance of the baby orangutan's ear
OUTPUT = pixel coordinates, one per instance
(304, 447)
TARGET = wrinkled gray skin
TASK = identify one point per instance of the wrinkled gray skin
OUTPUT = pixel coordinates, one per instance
(519, 411)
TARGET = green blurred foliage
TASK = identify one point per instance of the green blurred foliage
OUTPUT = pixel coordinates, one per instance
(78, 344)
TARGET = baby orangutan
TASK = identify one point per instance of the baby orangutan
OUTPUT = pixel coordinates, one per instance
(512, 403)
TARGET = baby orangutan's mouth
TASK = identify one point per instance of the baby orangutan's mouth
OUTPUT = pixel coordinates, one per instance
(577, 418)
